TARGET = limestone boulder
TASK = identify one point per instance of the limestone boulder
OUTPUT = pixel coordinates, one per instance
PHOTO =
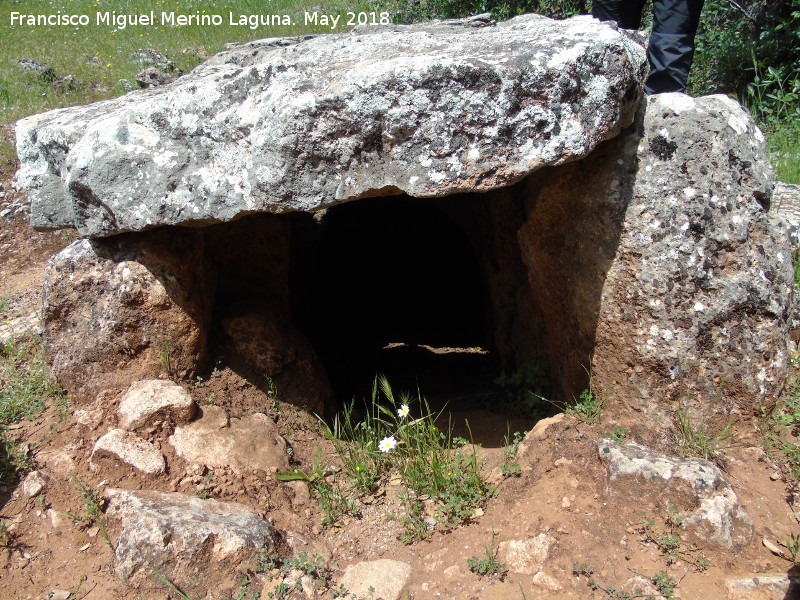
(122, 310)
(526, 556)
(304, 123)
(188, 540)
(383, 578)
(657, 266)
(152, 399)
(246, 445)
(129, 448)
(708, 505)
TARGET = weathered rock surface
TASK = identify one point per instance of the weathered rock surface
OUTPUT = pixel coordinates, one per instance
(33, 484)
(187, 539)
(776, 587)
(271, 345)
(300, 124)
(118, 311)
(526, 556)
(153, 399)
(710, 507)
(389, 578)
(19, 327)
(656, 257)
(249, 444)
(129, 448)
(152, 77)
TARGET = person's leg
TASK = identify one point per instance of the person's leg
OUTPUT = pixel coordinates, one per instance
(672, 44)
(626, 13)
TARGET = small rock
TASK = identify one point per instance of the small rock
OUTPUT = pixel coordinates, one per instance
(131, 449)
(543, 580)
(150, 57)
(565, 502)
(56, 519)
(430, 522)
(148, 400)
(778, 586)
(526, 556)
(33, 484)
(563, 462)
(59, 595)
(152, 77)
(645, 585)
(775, 476)
(45, 71)
(717, 517)
(389, 578)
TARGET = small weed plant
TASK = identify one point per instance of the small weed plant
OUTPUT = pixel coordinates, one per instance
(488, 565)
(588, 408)
(667, 538)
(391, 439)
(25, 386)
(663, 581)
(93, 504)
(695, 438)
(510, 466)
(618, 434)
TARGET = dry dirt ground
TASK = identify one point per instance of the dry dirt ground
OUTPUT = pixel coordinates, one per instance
(562, 491)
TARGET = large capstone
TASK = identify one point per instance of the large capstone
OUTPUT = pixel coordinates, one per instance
(301, 124)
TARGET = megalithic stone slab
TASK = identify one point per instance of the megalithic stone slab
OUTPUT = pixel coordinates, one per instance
(300, 124)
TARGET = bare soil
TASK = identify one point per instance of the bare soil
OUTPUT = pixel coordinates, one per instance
(562, 491)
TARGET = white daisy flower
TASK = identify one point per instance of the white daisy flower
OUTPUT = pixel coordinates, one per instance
(403, 412)
(387, 444)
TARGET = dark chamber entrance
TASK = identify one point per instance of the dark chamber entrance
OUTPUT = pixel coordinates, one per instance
(392, 286)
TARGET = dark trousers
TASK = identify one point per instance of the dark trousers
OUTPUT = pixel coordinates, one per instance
(672, 42)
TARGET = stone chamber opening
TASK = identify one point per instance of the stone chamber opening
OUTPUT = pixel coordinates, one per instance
(392, 286)
(432, 293)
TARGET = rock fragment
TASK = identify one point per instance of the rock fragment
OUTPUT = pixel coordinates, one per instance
(187, 539)
(153, 399)
(129, 448)
(388, 578)
(709, 507)
(246, 445)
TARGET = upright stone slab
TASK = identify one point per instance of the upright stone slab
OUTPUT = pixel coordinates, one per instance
(130, 308)
(657, 266)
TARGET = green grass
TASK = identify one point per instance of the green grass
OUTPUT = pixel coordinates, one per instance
(25, 390)
(398, 436)
(100, 56)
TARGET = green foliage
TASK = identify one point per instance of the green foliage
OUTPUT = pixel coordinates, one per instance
(781, 428)
(695, 438)
(665, 583)
(666, 536)
(93, 505)
(510, 467)
(488, 565)
(588, 408)
(792, 544)
(389, 439)
(25, 385)
(168, 584)
(618, 435)
(525, 390)
(14, 458)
